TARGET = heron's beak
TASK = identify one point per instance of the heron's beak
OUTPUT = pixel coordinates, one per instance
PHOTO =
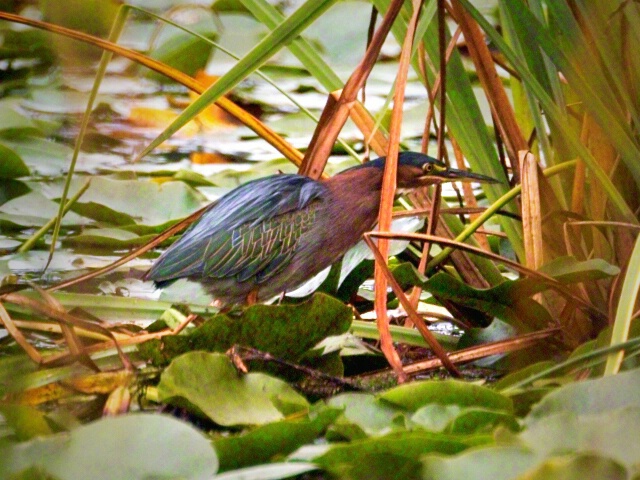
(455, 175)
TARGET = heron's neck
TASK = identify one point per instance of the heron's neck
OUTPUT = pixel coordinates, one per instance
(357, 193)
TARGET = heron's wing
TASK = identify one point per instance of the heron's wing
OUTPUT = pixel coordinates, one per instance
(259, 249)
(250, 231)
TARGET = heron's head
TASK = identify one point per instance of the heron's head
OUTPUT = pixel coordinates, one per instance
(418, 170)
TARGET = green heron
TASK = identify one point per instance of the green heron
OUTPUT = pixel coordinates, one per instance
(270, 235)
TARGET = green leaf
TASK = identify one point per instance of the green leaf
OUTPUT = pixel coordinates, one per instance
(271, 440)
(481, 420)
(26, 422)
(364, 410)
(114, 238)
(591, 396)
(122, 202)
(13, 123)
(43, 157)
(585, 465)
(183, 51)
(208, 384)
(435, 417)
(386, 454)
(34, 210)
(271, 471)
(612, 434)
(570, 270)
(285, 331)
(495, 463)
(448, 392)
(457, 420)
(508, 301)
(138, 446)
(12, 165)
(192, 178)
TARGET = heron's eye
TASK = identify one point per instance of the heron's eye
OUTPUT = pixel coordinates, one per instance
(427, 167)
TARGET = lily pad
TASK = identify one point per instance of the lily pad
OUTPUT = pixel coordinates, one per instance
(12, 165)
(495, 463)
(34, 210)
(271, 440)
(145, 446)
(208, 384)
(285, 331)
(395, 448)
(368, 413)
(591, 396)
(114, 238)
(585, 465)
(121, 202)
(448, 392)
(43, 157)
(13, 122)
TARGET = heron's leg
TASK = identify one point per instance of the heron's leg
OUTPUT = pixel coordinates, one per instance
(252, 298)
(281, 297)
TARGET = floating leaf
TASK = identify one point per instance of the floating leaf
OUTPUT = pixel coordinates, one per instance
(271, 471)
(122, 202)
(586, 465)
(481, 420)
(115, 238)
(12, 165)
(285, 331)
(448, 392)
(388, 453)
(367, 412)
(42, 156)
(495, 463)
(12, 122)
(34, 210)
(271, 440)
(25, 421)
(435, 417)
(591, 396)
(145, 446)
(208, 384)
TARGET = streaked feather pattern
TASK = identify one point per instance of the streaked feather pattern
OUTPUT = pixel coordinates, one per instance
(250, 232)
